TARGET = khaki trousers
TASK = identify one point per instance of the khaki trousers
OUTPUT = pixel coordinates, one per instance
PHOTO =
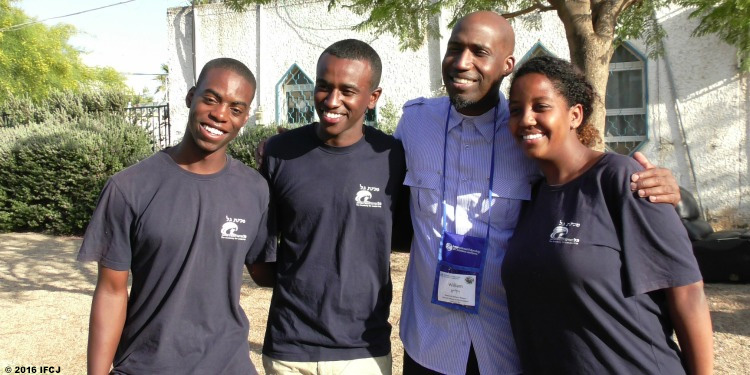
(362, 366)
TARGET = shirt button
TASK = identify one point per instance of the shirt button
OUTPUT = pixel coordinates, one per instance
(466, 147)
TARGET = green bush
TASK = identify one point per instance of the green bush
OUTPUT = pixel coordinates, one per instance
(243, 147)
(51, 173)
(388, 116)
(63, 105)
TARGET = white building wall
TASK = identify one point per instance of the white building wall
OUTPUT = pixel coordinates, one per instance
(698, 118)
(698, 103)
(290, 34)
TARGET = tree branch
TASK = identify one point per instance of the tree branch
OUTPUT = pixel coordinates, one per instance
(605, 15)
(538, 6)
(625, 5)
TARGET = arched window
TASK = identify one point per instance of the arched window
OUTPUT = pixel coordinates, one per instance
(294, 98)
(538, 49)
(626, 127)
(371, 117)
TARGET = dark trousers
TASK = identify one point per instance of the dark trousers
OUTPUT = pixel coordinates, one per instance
(413, 368)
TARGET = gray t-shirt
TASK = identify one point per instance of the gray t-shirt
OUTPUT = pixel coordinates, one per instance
(584, 276)
(186, 238)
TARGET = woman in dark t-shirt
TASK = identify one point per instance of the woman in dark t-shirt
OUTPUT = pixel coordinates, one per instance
(597, 279)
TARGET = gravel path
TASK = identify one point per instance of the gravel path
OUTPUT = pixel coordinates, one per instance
(45, 297)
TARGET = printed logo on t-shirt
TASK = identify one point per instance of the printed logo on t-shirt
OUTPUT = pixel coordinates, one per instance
(560, 232)
(230, 228)
(364, 197)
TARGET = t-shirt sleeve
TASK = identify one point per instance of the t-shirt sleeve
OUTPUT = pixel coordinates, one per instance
(259, 252)
(266, 247)
(107, 237)
(656, 251)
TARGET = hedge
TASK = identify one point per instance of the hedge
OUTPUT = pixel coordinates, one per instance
(62, 105)
(51, 173)
(243, 146)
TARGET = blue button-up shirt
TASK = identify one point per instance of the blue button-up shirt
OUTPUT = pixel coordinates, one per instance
(436, 337)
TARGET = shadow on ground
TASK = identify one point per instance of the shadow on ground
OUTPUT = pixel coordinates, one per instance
(32, 262)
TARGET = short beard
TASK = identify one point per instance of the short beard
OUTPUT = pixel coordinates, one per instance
(460, 103)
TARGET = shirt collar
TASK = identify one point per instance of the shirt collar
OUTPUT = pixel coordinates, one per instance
(483, 122)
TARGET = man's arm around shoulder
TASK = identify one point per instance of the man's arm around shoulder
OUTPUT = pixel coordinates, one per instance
(108, 311)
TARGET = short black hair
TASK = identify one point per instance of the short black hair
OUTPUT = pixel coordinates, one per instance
(228, 64)
(353, 49)
(571, 84)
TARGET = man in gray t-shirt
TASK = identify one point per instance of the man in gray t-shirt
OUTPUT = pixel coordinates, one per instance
(183, 221)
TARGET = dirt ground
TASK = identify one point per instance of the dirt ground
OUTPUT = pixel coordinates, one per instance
(45, 296)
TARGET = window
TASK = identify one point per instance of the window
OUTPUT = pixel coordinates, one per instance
(294, 98)
(538, 49)
(371, 117)
(625, 101)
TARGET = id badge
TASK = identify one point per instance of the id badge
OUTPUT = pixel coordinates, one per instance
(458, 278)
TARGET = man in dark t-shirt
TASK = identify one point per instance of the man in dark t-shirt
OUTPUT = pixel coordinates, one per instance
(183, 221)
(335, 186)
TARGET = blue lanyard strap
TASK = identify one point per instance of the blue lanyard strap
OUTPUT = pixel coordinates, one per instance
(489, 189)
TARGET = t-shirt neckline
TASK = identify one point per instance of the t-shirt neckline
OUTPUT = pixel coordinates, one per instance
(197, 176)
(558, 187)
(340, 150)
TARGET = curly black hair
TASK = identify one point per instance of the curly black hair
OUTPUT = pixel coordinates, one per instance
(571, 84)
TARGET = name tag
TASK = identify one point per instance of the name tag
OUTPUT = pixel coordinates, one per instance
(458, 278)
(457, 288)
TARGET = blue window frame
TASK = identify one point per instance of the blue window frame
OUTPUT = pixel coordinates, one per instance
(626, 129)
(294, 98)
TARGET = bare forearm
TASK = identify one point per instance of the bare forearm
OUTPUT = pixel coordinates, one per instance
(692, 323)
(108, 311)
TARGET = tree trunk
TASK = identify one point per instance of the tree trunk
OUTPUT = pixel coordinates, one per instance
(589, 27)
(592, 56)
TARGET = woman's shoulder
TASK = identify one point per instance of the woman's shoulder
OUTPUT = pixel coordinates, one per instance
(617, 167)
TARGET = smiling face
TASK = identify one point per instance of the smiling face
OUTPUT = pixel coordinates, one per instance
(478, 56)
(343, 94)
(219, 108)
(541, 118)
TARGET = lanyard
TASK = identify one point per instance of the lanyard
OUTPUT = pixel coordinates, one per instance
(489, 189)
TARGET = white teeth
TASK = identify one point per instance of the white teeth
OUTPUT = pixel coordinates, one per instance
(212, 131)
(332, 115)
(531, 136)
(461, 80)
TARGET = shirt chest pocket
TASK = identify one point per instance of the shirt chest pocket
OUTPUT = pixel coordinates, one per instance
(507, 196)
(425, 190)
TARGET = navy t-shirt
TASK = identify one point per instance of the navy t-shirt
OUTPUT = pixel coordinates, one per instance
(334, 212)
(186, 238)
(584, 273)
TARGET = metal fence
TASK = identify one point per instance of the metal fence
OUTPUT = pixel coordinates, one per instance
(153, 118)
